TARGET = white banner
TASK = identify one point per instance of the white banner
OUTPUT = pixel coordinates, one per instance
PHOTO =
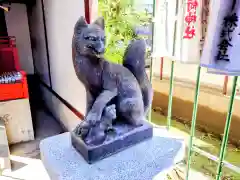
(189, 32)
(160, 41)
(222, 45)
(180, 29)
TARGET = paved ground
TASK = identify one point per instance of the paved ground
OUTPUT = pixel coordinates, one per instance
(25, 157)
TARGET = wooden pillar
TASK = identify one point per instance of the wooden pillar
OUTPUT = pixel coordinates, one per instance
(87, 10)
(161, 69)
(225, 85)
(91, 10)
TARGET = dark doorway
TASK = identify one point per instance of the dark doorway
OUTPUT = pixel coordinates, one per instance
(3, 25)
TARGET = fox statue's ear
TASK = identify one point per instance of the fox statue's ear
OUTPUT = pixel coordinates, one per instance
(100, 22)
(80, 24)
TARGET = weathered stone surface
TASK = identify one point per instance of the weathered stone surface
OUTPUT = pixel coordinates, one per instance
(151, 159)
(19, 125)
(5, 164)
(122, 140)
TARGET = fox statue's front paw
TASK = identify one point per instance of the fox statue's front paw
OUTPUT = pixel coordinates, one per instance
(92, 118)
(82, 129)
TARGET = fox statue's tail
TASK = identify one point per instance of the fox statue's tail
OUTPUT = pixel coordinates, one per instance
(134, 60)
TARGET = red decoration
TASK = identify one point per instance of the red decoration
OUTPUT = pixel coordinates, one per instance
(9, 61)
(14, 91)
(192, 5)
(190, 19)
(189, 32)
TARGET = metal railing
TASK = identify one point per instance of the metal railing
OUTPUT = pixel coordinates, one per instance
(191, 148)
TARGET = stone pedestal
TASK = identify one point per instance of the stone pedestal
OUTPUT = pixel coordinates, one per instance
(150, 159)
(18, 120)
(127, 137)
(5, 164)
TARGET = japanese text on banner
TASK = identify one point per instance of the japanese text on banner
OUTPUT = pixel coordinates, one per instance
(190, 19)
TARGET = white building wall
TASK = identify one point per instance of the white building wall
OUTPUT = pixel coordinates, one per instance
(61, 16)
(17, 25)
(60, 111)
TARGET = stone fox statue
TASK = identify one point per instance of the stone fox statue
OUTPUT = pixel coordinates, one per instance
(104, 80)
(134, 60)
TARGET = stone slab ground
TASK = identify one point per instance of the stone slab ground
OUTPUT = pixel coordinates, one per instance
(5, 164)
(25, 157)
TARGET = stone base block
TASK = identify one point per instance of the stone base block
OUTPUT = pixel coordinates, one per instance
(147, 160)
(94, 153)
